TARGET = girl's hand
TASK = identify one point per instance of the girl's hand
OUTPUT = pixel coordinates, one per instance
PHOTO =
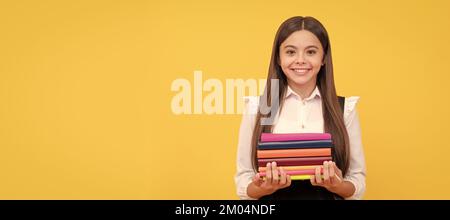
(276, 178)
(331, 178)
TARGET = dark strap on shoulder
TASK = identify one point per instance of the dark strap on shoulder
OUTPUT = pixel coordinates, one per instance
(341, 103)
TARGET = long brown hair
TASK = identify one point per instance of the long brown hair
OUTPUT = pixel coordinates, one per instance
(332, 113)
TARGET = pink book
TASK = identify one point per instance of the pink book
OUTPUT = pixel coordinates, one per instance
(294, 161)
(270, 137)
(295, 172)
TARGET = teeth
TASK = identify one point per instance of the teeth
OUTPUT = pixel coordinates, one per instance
(301, 70)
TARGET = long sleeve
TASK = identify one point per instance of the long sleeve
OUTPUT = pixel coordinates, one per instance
(357, 170)
(245, 170)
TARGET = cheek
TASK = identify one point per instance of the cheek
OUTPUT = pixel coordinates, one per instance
(285, 62)
(316, 63)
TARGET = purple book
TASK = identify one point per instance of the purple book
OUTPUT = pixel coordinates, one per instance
(270, 137)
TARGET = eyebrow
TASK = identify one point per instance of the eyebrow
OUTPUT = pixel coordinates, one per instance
(310, 46)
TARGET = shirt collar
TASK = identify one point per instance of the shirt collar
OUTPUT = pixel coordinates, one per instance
(315, 93)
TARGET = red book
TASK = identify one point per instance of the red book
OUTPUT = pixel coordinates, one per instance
(270, 137)
(310, 152)
(294, 172)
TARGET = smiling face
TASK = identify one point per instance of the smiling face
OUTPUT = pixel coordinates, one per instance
(301, 57)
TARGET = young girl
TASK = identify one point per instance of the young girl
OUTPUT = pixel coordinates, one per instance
(307, 103)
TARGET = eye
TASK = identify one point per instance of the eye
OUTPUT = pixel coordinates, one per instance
(290, 52)
(311, 52)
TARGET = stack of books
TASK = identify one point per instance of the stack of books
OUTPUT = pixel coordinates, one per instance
(299, 154)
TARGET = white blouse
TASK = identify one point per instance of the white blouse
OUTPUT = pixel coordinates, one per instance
(300, 116)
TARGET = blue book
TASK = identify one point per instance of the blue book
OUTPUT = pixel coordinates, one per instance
(295, 144)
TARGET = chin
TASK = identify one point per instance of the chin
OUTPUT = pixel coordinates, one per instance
(301, 80)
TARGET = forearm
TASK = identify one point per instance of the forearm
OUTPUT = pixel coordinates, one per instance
(345, 189)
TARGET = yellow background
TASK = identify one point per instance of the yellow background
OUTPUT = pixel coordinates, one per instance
(85, 93)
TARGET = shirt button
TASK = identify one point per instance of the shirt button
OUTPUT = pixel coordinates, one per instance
(303, 126)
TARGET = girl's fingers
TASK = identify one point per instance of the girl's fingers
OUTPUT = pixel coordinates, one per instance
(275, 176)
(269, 173)
(326, 173)
(332, 173)
(257, 180)
(288, 180)
(283, 179)
(313, 180)
(317, 176)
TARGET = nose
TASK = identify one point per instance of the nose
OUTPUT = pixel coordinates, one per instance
(300, 58)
